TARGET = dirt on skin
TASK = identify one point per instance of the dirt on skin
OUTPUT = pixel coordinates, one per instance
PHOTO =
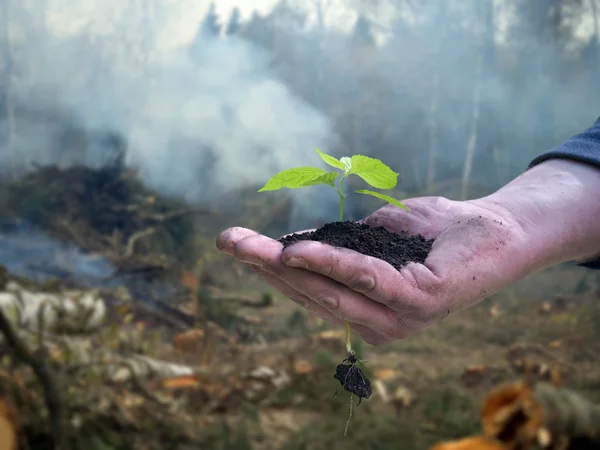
(396, 249)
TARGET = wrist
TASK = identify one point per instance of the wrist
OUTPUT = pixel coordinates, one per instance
(556, 205)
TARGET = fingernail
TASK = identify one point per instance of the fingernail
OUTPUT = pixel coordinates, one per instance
(227, 249)
(296, 262)
(328, 302)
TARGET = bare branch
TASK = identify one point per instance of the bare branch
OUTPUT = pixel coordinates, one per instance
(44, 375)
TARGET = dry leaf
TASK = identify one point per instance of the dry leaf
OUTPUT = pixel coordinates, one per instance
(183, 382)
(189, 280)
(302, 367)
(403, 397)
(8, 426)
(474, 374)
(495, 311)
(512, 414)
(471, 443)
(190, 341)
(386, 374)
(555, 344)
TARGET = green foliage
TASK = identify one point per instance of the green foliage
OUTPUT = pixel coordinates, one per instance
(451, 411)
(299, 177)
(373, 171)
(380, 196)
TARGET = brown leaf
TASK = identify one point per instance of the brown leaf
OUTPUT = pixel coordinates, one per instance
(302, 367)
(474, 374)
(190, 341)
(190, 281)
(8, 426)
(471, 443)
(386, 374)
(182, 382)
(555, 344)
(511, 414)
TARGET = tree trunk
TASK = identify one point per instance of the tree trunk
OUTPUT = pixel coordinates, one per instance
(8, 106)
(596, 21)
(472, 141)
(433, 128)
(434, 103)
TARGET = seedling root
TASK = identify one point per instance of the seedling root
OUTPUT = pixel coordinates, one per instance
(352, 378)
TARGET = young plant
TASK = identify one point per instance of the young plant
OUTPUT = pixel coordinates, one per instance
(371, 170)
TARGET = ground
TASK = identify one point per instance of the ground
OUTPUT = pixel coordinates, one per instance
(198, 352)
(445, 371)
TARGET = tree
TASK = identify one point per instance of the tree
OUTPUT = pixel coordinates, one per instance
(233, 25)
(209, 27)
(362, 33)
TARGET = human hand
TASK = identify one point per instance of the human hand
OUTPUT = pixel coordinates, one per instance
(480, 247)
(476, 251)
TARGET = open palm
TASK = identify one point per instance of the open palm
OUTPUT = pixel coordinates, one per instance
(479, 248)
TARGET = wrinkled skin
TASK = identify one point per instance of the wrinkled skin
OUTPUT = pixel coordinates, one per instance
(480, 247)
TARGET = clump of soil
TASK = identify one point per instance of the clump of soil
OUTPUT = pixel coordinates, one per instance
(394, 248)
(397, 249)
(352, 379)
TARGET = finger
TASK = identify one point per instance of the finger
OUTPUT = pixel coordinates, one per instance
(370, 276)
(395, 219)
(423, 217)
(369, 335)
(343, 302)
(258, 250)
(295, 296)
(227, 240)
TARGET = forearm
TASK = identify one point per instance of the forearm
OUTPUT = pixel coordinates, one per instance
(557, 206)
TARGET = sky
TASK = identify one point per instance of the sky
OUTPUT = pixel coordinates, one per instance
(338, 15)
(184, 15)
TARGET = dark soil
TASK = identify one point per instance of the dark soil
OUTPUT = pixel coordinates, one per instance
(396, 249)
(352, 379)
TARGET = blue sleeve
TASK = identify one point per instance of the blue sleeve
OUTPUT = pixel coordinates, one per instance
(583, 147)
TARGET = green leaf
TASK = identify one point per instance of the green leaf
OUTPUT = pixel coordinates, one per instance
(333, 162)
(387, 198)
(347, 162)
(328, 178)
(297, 178)
(374, 172)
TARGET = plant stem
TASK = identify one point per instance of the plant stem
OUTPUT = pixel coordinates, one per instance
(348, 340)
(342, 198)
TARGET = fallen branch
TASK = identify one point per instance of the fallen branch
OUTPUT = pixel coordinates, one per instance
(162, 217)
(136, 237)
(44, 375)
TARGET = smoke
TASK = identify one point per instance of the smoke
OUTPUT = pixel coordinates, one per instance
(198, 120)
(27, 253)
(201, 120)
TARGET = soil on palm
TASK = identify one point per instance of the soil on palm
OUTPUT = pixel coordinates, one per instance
(395, 248)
